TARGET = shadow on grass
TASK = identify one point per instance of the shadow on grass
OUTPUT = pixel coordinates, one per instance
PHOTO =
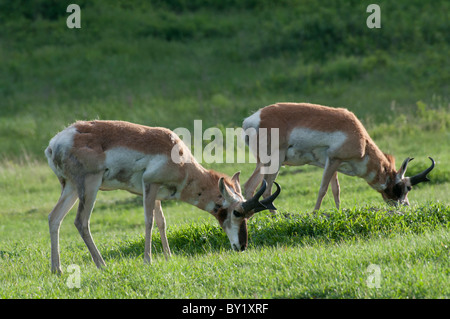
(134, 202)
(294, 229)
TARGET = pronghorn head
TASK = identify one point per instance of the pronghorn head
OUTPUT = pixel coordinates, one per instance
(235, 211)
(399, 186)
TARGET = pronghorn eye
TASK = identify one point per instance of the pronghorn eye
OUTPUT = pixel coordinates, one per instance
(237, 214)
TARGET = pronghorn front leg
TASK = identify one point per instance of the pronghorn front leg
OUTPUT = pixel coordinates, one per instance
(331, 166)
(268, 171)
(150, 191)
(253, 181)
(272, 169)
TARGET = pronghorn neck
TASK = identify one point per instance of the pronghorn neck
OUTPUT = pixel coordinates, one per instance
(380, 168)
(200, 188)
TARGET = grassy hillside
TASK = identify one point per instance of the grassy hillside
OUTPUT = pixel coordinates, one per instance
(169, 62)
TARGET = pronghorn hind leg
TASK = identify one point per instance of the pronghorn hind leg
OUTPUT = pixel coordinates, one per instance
(161, 223)
(336, 189)
(87, 193)
(66, 201)
(270, 177)
(253, 182)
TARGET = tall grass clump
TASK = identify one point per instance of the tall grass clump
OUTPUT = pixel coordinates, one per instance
(293, 229)
(349, 224)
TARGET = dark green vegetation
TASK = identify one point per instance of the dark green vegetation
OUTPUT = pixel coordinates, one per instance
(166, 63)
(294, 229)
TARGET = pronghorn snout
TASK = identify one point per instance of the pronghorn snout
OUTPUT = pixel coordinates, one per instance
(237, 234)
(243, 235)
(243, 247)
(396, 203)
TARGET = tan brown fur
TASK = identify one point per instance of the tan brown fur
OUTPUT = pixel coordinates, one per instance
(287, 116)
(93, 138)
(103, 135)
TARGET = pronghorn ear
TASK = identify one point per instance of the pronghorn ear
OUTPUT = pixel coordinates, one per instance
(226, 192)
(235, 180)
(401, 172)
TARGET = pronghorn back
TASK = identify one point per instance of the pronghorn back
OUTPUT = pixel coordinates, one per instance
(89, 142)
(312, 118)
(122, 151)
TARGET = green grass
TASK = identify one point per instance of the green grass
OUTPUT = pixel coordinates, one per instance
(412, 266)
(167, 63)
(291, 255)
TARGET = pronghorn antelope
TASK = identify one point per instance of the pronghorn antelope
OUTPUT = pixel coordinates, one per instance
(331, 138)
(109, 155)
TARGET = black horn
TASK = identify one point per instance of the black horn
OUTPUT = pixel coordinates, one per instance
(256, 205)
(422, 177)
(268, 202)
(253, 202)
(260, 191)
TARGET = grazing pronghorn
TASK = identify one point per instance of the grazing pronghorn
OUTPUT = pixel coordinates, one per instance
(109, 155)
(332, 138)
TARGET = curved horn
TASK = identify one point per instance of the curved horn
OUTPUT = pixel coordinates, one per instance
(261, 190)
(253, 202)
(422, 177)
(268, 202)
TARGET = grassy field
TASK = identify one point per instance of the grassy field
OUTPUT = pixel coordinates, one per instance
(290, 255)
(167, 63)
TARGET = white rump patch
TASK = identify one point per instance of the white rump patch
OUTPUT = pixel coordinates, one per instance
(252, 121)
(60, 145)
